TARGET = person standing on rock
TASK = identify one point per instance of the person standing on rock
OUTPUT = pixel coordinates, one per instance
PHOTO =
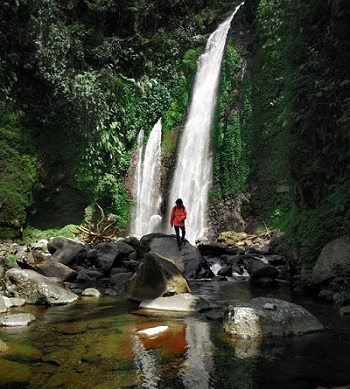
(177, 219)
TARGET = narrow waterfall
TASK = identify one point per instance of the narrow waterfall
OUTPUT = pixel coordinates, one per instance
(193, 171)
(147, 183)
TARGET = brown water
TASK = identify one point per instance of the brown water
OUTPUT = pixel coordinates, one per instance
(93, 344)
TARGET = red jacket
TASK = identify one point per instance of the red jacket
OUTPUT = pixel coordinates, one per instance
(178, 216)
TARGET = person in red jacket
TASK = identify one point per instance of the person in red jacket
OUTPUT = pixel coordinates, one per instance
(177, 219)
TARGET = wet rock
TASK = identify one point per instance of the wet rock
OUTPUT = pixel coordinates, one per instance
(16, 319)
(184, 302)
(92, 292)
(225, 271)
(253, 321)
(156, 276)
(35, 288)
(259, 269)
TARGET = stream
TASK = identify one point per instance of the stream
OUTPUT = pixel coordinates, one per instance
(93, 343)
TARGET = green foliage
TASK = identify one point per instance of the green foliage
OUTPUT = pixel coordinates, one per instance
(31, 234)
(230, 140)
(338, 290)
(113, 198)
(18, 173)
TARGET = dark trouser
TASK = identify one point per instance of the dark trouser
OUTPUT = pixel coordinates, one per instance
(177, 231)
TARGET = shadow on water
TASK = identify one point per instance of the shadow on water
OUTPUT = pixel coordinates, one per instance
(94, 343)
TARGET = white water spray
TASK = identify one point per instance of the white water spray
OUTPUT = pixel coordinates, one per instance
(147, 183)
(193, 172)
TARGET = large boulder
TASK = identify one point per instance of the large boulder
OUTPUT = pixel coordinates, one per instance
(190, 262)
(35, 288)
(156, 276)
(67, 251)
(107, 255)
(334, 254)
(47, 266)
(268, 317)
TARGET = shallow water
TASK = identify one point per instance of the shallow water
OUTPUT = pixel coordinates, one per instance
(93, 344)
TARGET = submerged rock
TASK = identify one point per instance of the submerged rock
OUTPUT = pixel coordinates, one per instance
(254, 320)
(16, 319)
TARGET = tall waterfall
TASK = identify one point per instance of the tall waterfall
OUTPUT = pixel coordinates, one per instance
(147, 183)
(193, 171)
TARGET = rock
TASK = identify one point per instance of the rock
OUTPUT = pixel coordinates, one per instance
(5, 265)
(184, 302)
(92, 292)
(190, 262)
(146, 240)
(67, 251)
(48, 267)
(3, 347)
(120, 279)
(216, 249)
(155, 277)
(335, 253)
(3, 306)
(88, 275)
(16, 319)
(35, 288)
(259, 269)
(345, 311)
(13, 301)
(225, 271)
(262, 249)
(252, 321)
(41, 244)
(107, 255)
(52, 268)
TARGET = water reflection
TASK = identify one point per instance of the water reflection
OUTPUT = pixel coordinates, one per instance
(199, 363)
(189, 343)
(94, 344)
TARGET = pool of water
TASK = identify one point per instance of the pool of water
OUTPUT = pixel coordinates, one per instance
(94, 343)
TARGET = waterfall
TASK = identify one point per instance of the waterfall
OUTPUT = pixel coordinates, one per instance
(147, 183)
(193, 171)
